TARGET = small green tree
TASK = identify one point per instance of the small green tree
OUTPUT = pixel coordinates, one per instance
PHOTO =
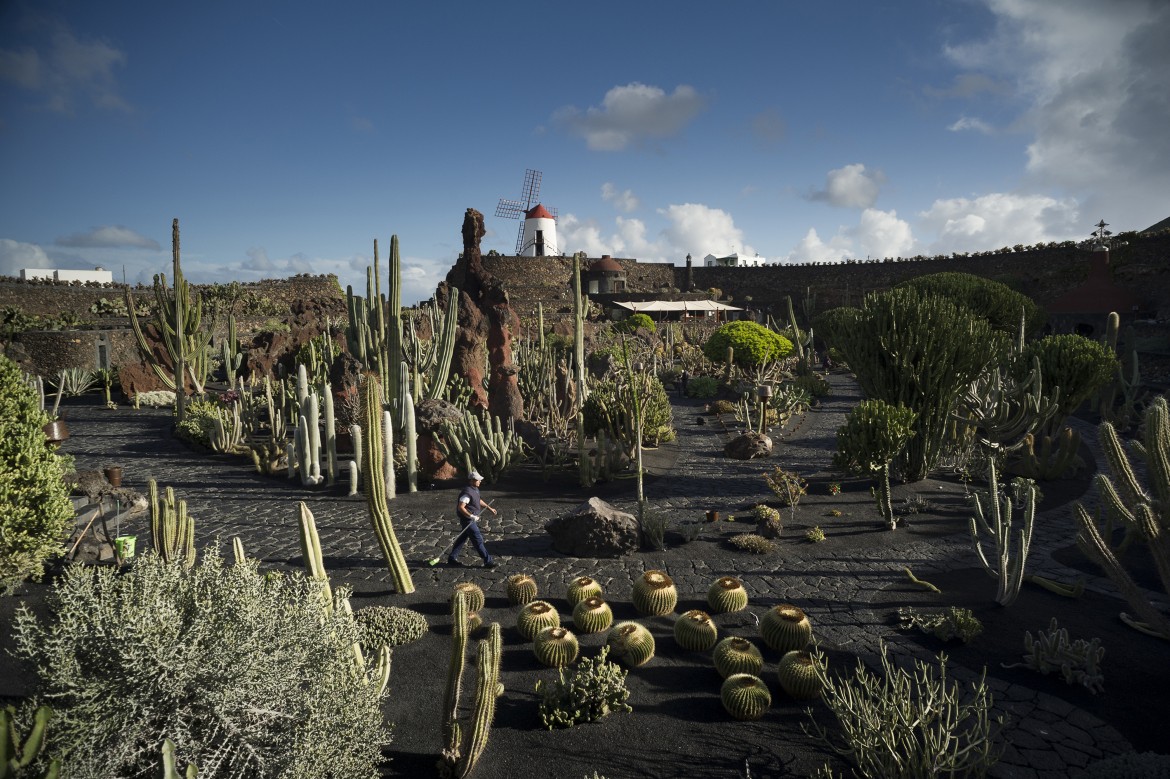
(1001, 305)
(754, 345)
(1079, 366)
(874, 433)
(34, 502)
(635, 321)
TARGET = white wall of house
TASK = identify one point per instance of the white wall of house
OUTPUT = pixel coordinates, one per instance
(99, 275)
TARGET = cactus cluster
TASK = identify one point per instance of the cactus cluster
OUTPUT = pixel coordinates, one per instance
(592, 615)
(171, 528)
(631, 643)
(463, 751)
(374, 477)
(1010, 549)
(596, 689)
(874, 434)
(727, 594)
(735, 655)
(654, 594)
(785, 627)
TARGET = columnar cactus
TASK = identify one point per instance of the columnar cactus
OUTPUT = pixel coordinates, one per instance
(695, 631)
(555, 647)
(581, 588)
(631, 643)
(410, 439)
(171, 529)
(311, 553)
(727, 594)
(535, 617)
(745, 697)
(785, 627)
(464, 750)
(579, 309)
(797, 675)
(376, 488)
(473, 593)
(592, 615)
(459, 633)
(1009, 558)
(655, 594)
(330, 434)
(521, 588)
(735, 655)
(17, 754)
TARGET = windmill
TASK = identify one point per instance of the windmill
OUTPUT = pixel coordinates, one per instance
(537, 231)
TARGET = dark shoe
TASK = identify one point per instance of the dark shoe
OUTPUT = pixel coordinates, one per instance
(455, 563)
(491, 564)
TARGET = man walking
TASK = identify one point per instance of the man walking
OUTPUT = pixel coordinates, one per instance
(468, 509)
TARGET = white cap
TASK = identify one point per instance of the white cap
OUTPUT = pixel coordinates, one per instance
(475, 476)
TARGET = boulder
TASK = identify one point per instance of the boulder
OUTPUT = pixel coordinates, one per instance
(595, 529)
(748, 446)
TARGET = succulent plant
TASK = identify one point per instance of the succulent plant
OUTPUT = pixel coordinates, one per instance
(521, 589)
(735, 655)
(695, 631)
(727, 594)
(797, 675)
(581, 588)
(745, 697)
(555, 647)
(474, 621)
(630, 643)
(785, 627)
(535, 617)
(654, 594)
(475, 599)
(592, 615)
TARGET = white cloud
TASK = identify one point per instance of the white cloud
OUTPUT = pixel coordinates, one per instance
(971, 123)
(298, 263)
(851, 187)
(631, 114)
(109, 236)
(700, 230)
(877, 234)
(15, 255)
(691, 228)
(812, 249)
(257, 260)
(1094, 75)
(999, 219)
(625, 201)
(66, 70)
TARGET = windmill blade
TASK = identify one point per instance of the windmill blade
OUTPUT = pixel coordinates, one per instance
(520, 239)
(510, 209)
(531, 189)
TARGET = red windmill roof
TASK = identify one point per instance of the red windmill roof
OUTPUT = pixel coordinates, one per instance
(537, 212)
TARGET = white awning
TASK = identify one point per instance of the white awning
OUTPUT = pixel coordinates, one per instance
(686, 306)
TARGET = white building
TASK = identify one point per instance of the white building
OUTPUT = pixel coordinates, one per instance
(100, 275)
(734, 260)
(540, 233)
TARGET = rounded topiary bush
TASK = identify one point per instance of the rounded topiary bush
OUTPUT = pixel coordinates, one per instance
(745, 697)
(592, 615)
(753, 344)
(735, 655)
(535, 617)
(636, 322)
(631, 643)
(727, 594)
(389, 625)
(247, 674)
(654, 594)
(695, 631)
(785, 627)
(35, 510)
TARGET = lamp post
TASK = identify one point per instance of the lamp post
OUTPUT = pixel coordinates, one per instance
(764, 392)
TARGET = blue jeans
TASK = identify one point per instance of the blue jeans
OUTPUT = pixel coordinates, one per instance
(470, 530)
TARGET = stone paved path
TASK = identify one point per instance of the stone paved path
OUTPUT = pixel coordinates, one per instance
(688, 478)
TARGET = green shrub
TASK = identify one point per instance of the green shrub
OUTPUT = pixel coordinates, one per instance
(198, 421)
(1078, 365)
(703, 387)
(997, 302)
(35, 511)
(609, 404)
(874, 434)
(596, 688)
(788, 486)
(754, 344)
(634, 322)
(245, 673)
(724, 407)
(750, 542)
(945, 625)
(389, 625)
(815, 385)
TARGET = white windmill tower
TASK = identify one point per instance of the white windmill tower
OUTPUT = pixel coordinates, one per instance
(537, 236)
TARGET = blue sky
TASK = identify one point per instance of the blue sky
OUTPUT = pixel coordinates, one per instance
(287, 136)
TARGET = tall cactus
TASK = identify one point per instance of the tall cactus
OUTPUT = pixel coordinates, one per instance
(171, 529)
(330, 434)
(373, 474)
(996, 523)
(410, 436)
(464, 748)
(311, 553)
(1144, 510)
(579, 330)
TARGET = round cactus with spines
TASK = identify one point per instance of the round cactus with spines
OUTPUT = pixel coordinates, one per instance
(785, 627)
(745, 696)
(735, 655)
(797, 675)
(474, 621)
(581, 588)
(631, 643)
(592, 615)
(654, 594)
(472, 591)
(521, 589)
(727, 594)
(555, 647)
(695, 631)
(535, 617)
